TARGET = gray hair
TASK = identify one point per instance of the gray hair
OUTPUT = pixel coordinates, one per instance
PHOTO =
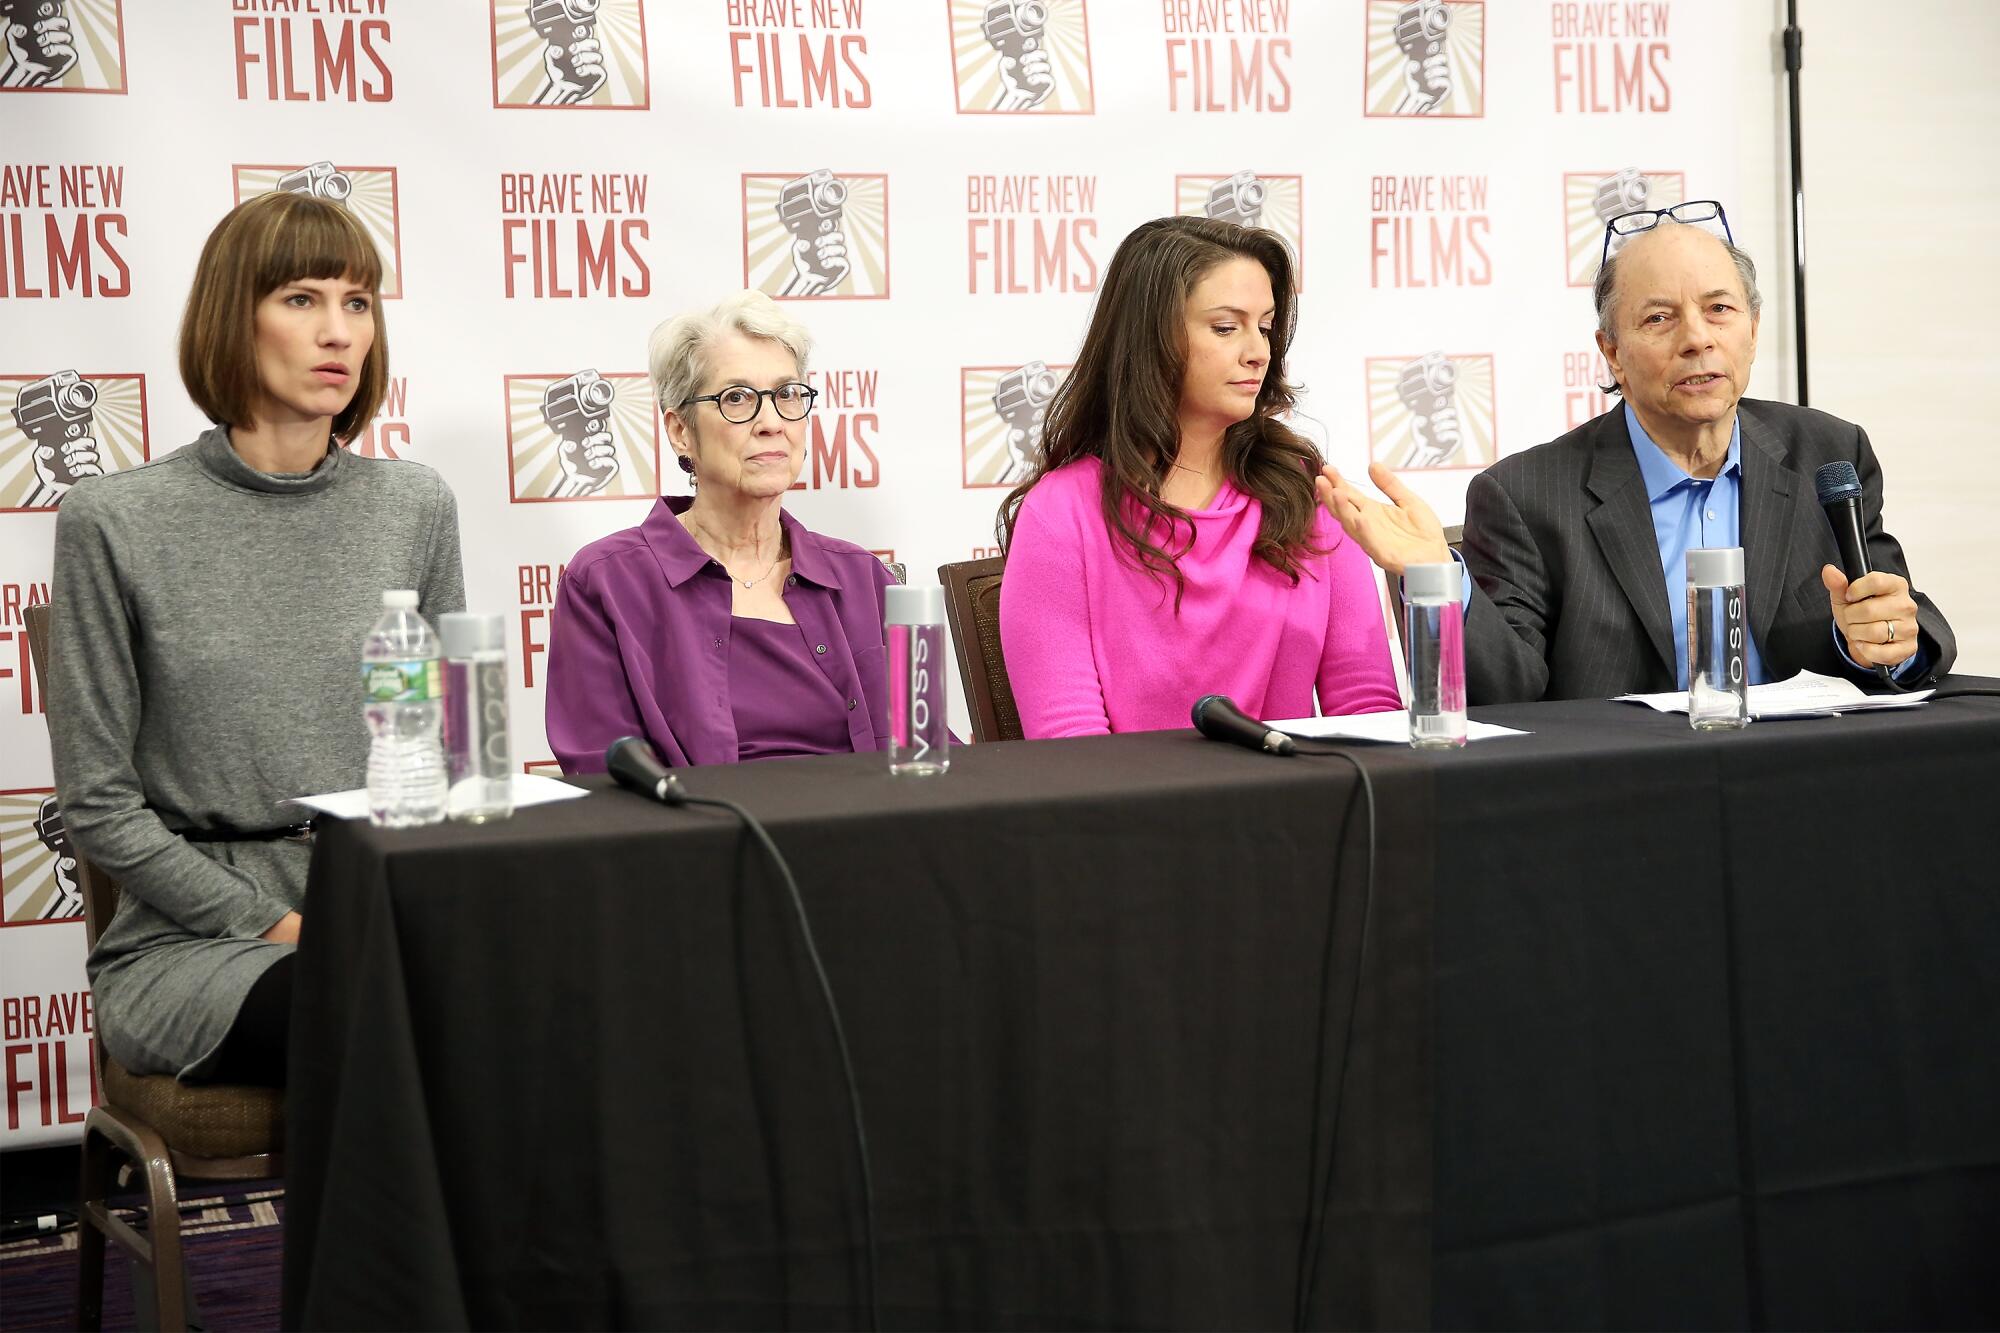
(1607, 286)
(676, 354)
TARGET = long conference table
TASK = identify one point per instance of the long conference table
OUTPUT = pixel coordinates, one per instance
(1626, 1026)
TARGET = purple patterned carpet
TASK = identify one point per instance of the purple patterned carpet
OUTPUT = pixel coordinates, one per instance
(234, 1246)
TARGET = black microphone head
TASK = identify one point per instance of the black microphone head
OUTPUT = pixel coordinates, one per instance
(634, 762)
(1203, 704)
(1836, 482)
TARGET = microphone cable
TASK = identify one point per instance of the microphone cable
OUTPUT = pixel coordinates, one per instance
(1319, 1183)
(777, 858)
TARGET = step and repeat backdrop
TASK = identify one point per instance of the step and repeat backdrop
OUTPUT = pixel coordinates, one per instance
(936, 185)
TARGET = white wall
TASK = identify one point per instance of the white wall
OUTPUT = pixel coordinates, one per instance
(1902, 272)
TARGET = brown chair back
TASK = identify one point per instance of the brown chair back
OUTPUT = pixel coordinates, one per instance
(1454, 537)
(972, 605)
(100, 891)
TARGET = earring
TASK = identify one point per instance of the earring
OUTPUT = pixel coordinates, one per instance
(687, 464)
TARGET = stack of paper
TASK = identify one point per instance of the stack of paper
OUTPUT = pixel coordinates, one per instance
(1389, 728)
(528, 788)
(1804, 695)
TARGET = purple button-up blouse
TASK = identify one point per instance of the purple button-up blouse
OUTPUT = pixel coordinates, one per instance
(640, 643)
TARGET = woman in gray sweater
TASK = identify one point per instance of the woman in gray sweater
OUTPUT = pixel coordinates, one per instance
(209, 610)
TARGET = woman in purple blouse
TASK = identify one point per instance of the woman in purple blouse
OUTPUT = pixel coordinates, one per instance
(720, 628)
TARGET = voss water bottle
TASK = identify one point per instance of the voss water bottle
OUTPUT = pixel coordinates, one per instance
(1718, 640)
(476, 752)
(1434, 651)
(919, 740)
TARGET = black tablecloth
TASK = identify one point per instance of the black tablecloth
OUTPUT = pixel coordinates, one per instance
(1718, 1022)
(1708, 1017)
(572, 1070)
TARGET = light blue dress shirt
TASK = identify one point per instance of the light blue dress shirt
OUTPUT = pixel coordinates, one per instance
(1690, 513)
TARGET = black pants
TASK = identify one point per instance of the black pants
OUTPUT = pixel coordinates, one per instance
(254, 1050)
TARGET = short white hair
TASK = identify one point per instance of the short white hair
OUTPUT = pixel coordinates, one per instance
(676, 354)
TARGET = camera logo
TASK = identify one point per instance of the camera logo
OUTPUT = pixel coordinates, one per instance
(1022, 55)
(64, 427)
(1273, 202)
(582, 53)
(819, 234)
(62, 46)
(1002, 409)
(1592, 198)
(1425, 58)
(1431, 412)
(368, 192)
(37, 863)
(581, 436)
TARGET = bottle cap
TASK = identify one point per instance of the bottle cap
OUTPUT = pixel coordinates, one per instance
(1432, 585)
(915, 606)
(1715, 567)
(399, 599)
(469, 633)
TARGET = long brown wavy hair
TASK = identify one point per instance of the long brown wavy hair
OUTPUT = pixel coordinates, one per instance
(1121, 402)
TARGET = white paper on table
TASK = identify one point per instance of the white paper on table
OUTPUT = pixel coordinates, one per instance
(528, 789)
(1386, 728)
(1804, 695)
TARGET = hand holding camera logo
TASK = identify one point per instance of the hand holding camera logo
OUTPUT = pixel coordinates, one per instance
(810, 207)
(1021, 398)
(56, 415)
(1018, 29)
(578, 410)
(68, 900)
(1420, 30)
(322, 180)
(574, 57)
(1624, 192)
(1238, 199)
(40, 46)
(1428, 387)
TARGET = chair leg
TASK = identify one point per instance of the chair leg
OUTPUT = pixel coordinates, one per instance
(95, 1187)
(163, 1225)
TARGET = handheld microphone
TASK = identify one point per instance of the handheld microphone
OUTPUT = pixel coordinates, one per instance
(1838, 486)
(634, 762)
(1217, 717)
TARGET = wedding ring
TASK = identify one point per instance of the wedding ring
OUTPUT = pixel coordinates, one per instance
(1892, 631)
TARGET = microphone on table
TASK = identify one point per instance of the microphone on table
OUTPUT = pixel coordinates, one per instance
(1839, 488)
(634, 762)
(1217, 717)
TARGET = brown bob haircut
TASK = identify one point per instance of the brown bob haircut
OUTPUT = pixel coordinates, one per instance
(258, 247)
(1121, 401)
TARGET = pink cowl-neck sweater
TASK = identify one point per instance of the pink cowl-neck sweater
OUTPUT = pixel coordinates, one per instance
(1094, 644)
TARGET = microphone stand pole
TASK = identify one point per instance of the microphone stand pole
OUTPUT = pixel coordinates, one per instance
(1794, 61)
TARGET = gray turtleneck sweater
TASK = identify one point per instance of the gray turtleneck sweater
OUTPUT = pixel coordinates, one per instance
(205, 667)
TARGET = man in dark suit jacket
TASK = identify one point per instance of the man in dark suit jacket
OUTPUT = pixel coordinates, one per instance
(1566, 543)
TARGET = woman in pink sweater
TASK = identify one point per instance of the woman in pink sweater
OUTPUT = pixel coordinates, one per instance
(1170, 543)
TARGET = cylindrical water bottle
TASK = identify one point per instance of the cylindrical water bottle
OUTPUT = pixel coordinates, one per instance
(1718, 640)
(476, 753)
(919, 739)
(1434, 651)
(402, 685)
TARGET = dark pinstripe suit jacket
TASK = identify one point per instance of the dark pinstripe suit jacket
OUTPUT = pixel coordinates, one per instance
(1569, 600)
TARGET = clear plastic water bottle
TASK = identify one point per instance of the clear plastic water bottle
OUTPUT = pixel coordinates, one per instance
(1718, 640)
(919, 733)
(403, 687)
(1434, 650)
(476, 752)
